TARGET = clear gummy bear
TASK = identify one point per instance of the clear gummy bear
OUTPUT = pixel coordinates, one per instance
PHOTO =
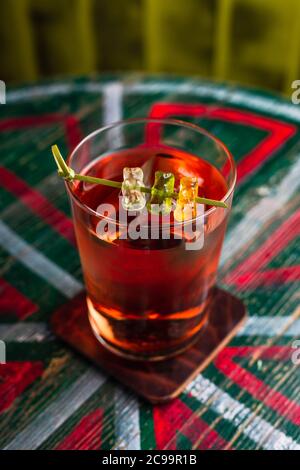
(186, 202)
(133, 199)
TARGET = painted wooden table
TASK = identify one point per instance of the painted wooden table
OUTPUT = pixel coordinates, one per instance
(50, 397)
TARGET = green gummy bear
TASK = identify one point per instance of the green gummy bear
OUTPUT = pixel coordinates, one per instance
(163, 186)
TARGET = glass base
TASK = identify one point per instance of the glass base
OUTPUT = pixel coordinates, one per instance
(99, 323)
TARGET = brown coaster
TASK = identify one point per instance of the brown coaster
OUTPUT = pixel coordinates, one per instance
(157, 381)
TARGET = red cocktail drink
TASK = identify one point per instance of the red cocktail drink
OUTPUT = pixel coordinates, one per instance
(148, 297)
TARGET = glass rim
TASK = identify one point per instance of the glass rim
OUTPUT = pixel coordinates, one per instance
(171, 121)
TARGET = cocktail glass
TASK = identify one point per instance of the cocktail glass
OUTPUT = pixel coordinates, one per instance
(148, 296)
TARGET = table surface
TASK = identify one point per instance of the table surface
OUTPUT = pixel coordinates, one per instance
(50, 397)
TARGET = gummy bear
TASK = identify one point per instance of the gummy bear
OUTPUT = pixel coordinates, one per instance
(186, 205)
(163, 186)
(133, 199)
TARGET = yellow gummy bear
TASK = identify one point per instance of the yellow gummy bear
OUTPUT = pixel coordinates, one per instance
(186, 204)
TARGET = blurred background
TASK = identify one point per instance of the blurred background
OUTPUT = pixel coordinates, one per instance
(252, 42)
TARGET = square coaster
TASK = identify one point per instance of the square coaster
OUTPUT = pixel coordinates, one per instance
(156, 381)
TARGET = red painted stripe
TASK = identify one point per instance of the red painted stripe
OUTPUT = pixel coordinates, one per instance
(13, 302)
(279, 132)
(30, 197)
(165, 110)
(277, 353)
(86, 435)
(268, 278)
(275, 243)
(70, 123)
(15, 377)
(37, 203)
(256, 387)
(177, 417)
(247, 271)
(73, 131)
